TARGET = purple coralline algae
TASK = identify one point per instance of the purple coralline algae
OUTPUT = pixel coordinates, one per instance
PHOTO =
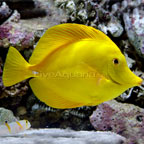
(124, 119)
(11, 32)
(23, 33)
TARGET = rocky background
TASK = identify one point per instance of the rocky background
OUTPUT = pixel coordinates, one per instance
(23, 22)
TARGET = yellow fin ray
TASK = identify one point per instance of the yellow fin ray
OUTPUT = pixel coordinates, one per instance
(63, 34)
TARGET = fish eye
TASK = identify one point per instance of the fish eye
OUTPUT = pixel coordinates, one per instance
(115, 61)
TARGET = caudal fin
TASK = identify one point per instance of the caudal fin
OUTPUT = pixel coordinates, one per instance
(16, 68)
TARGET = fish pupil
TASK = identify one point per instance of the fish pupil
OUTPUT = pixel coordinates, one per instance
(115, 61)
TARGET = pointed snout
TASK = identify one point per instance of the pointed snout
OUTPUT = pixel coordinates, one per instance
(130, 78)
(140, 81)
(137, 81)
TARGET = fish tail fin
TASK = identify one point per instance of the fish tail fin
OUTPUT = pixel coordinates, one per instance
(16, 68)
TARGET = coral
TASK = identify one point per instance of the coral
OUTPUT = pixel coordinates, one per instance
(124, 119)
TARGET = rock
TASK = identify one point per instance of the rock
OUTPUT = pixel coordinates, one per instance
(21, 111)
(53, 17)
(5, 11)
(6, 115)
(21, 33)
(134, 26)
(93, 13)
(114, 27)
(61, 136)
(124, 119)
(42, 116)
(11, 33)
(19, 90)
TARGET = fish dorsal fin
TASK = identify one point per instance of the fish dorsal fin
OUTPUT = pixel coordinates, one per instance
(63, 34)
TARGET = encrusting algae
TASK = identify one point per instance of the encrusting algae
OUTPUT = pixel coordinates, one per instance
(72, 65)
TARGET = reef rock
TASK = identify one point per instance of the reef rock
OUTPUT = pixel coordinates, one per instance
(108, 16)
(6, 115)
(42, 116)
(98, 14)
(124, 119)
(134, 25)
(20, 26)
(11, 32)
(60, 136)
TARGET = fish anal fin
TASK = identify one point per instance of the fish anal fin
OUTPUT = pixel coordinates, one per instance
(49, 97)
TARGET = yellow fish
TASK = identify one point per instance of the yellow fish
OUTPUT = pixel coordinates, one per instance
(72, 65)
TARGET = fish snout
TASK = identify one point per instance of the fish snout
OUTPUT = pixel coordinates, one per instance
(140, 82)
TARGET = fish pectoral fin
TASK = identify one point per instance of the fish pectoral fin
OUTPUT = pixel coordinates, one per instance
(49, 97)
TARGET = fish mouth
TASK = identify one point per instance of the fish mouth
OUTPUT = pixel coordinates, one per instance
(114, 80)
(118, 83)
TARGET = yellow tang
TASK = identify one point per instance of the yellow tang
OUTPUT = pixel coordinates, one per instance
(72, 65)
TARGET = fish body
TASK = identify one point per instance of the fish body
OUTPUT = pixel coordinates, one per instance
(14, 127)
(72, 65)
